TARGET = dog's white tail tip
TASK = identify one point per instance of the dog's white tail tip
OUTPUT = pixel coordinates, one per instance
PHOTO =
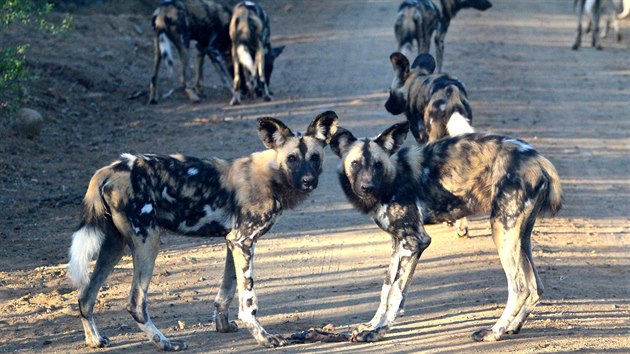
(458, 125)
(245, 58)
(86, 244)
(166, 52)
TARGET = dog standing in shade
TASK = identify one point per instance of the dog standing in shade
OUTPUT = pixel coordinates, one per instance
(404, 189)
(129, 201)
(436, 105)
(180, 21)
(252, 54)
(417, 20)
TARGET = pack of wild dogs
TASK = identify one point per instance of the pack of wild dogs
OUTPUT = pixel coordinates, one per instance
(451, 172)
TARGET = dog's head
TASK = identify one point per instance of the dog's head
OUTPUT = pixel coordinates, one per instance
(366, 171)
(481, 5)
(423, 65)
(299, 156)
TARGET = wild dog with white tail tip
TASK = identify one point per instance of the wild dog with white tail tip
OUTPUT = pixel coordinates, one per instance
(129, 201)
(404, 189)
(252, 54)
(180, 21)
(436, 105)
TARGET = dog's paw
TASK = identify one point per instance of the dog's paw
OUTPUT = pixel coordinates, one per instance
(227, 326)
(486, 335)
(272, 341)
(360, 334)
(192, 96)
(98, 342)
(267, 98)
(462, 232)
(235, 101)
(175, 345)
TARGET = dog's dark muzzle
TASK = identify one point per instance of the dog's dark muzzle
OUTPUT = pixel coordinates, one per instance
(308, 183)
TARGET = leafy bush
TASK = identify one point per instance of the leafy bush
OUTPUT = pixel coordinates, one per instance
(14, 75)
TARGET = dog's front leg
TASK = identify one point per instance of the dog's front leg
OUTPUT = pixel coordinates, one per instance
(439, 45)
(220, 66)
(224, 297)
(242, 247)
(410, 240)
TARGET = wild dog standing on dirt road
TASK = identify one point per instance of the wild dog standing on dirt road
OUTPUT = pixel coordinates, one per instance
(436, 105)
(252, 54)
(403, 189)
(179, 22)
(614, 10)
(129, 201)
(418, 19)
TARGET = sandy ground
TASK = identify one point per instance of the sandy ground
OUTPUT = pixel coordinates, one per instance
(324, 263)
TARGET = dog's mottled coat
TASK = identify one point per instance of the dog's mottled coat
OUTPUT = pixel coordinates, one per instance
(403, 189)
(129, 201)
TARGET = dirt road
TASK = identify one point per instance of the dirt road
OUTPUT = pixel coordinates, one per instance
(324, 263)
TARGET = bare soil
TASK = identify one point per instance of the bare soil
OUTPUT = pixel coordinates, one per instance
(323, 263)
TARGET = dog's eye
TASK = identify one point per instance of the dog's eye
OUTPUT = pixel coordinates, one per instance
(315, 158)
(354, 164)
(378, 165)
(291, 158)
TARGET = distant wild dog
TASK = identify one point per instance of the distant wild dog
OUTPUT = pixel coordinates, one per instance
(180, 21)
(614, 10)
(436, 105)
(418, 19)
(128, 202)
(404, 189)
(252, 54)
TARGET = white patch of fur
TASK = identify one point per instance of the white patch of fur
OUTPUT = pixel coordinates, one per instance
(458, 125)
(146, 209)
(520, 145)
(193, 171)
(86, 244)
(131, 159)
(245, 58)
(150, 330)
(166, 52)
(218, 215)
(167, 196)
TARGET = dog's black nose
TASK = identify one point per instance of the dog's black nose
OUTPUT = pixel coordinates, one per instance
(367, 188)
(308, 182)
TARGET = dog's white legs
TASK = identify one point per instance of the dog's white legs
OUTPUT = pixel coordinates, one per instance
(224, 297)
(461, 225)
(243, 251)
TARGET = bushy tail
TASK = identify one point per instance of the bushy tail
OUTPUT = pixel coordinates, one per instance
(166, 52)
(88, 239)
(552, 202)
(245, 58)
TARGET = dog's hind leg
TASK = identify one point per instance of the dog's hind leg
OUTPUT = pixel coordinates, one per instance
(224, 297)
(260, 68)
(509, 220)
(184, 55)
(597, 10)
(110, 253)
(236, 91)
(157, 59)
(144, 246)
(199, 59)
(439, 45)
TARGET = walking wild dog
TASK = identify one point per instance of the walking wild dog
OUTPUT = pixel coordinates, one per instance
(436, 105)
(179, 22)
(252, 54)
(129, 201)
(418, 19)
(403, 189)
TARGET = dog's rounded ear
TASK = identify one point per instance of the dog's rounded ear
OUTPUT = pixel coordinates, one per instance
(400, 63)
(393, 137)
(273, 132)
(276, 51)
(323, 127)
(341, 141)
(425, 63)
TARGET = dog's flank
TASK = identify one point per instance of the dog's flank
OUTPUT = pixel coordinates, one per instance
(252, 55)
(180, 21)
(403, 189)
(417, 20)
(129, 201)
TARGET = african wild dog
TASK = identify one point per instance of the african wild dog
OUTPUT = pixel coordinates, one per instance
(418, 19)
(403, 189)
(436, 105)
(179, 22)
(592, 10)
(252, 54)
(129, 201)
